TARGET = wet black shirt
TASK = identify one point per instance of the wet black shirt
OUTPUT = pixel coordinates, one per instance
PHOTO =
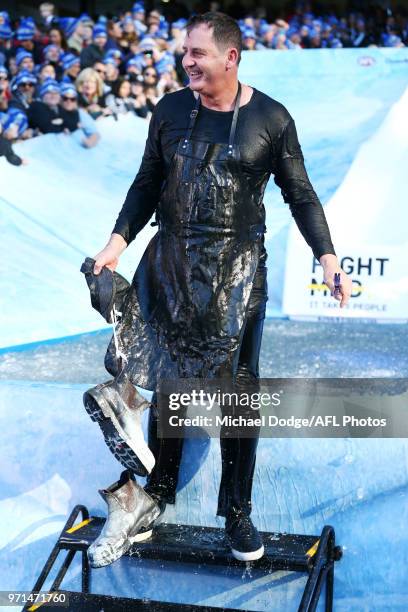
(269, 145)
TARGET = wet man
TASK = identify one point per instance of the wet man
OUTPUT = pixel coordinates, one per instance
(196, 306)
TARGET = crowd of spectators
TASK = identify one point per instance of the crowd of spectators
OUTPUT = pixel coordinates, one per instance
(64, 74)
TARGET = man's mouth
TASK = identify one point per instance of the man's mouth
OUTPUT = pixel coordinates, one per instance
(195, 74)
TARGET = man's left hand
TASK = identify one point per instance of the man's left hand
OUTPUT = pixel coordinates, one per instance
(330, 268)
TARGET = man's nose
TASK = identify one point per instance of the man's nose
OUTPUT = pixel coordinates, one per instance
(188, 61)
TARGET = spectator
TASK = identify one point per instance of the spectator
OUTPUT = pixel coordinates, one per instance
(95, 51)
(52, 55)
(57, 37)
(138, 16)
(25, 40)
(138, 94)
(114, 35)
(5, 94)
(76, 120)
(15, 125)
(71, 67)
(47, 71)
(150, 77)
(6, 150)
(111, 72)
(128, 36)
(74, 32)
(47, 13)
(135, 65)
(5, 42)
(360, 37)
(22, 89)
(151, 97)
(249, 40)
(44, 115)
(24, 61)
(91, 97)
(167, 82)
(120, 100)
(100, 68)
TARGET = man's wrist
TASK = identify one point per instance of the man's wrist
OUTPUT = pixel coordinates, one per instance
(328, 259)
(118, 243)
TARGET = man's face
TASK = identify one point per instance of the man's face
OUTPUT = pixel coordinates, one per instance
(100, 69)
(69, 101)
(52, 98)
(112, 72)
(203, 61)
(27, 64)
(28, 45)
(48, 72)
(100, 41)
(74, 70)
(27, 89)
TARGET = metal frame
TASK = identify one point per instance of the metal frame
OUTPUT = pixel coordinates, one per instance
(318, 562)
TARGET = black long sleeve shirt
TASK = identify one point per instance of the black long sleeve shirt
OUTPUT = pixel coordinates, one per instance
(269, 145)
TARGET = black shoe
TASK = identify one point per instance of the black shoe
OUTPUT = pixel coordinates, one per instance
(243, 537)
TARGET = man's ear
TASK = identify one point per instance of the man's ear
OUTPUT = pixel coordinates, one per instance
(232, 58)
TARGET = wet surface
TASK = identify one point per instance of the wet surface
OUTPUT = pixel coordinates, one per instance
(289, 348)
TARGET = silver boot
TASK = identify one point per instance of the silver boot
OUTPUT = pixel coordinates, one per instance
(131, 513)
(117, 407)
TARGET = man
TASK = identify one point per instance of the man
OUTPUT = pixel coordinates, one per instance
(45, 115)
(71, 67)
(197, 303)
(76, 120)
(95, 51)
(22, 88)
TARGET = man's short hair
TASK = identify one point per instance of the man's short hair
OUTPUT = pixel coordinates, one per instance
(225, 30)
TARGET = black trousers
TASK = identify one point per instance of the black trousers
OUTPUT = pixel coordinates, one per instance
(238, 455)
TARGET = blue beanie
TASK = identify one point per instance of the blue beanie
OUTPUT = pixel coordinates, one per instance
(249, 33)
(113, 53)
(5, 31)
(99, 31)
(164, 65)
(138, 7)
(138, 61)
(180, 24)
(49, 48)
(68, 88)
(23, 77)
(21, 55)
(26, 30)
(68, 24)
(49, 85)
(3, 70)
(68, 60)
(17, 117)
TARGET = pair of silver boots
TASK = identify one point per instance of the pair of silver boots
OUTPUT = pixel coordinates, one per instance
(117, 407)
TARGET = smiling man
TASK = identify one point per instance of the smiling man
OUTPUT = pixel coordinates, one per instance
(196, 307)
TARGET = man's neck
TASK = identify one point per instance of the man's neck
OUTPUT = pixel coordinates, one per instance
(223, 100)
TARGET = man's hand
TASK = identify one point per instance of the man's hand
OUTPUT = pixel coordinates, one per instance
(330, 267)
(109, 256)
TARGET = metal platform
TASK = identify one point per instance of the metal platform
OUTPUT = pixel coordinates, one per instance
(314, 555)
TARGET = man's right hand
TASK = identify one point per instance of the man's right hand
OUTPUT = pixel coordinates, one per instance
(109, 256)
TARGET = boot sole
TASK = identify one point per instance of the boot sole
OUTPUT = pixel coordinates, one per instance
(254, 555)
(115, 439)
